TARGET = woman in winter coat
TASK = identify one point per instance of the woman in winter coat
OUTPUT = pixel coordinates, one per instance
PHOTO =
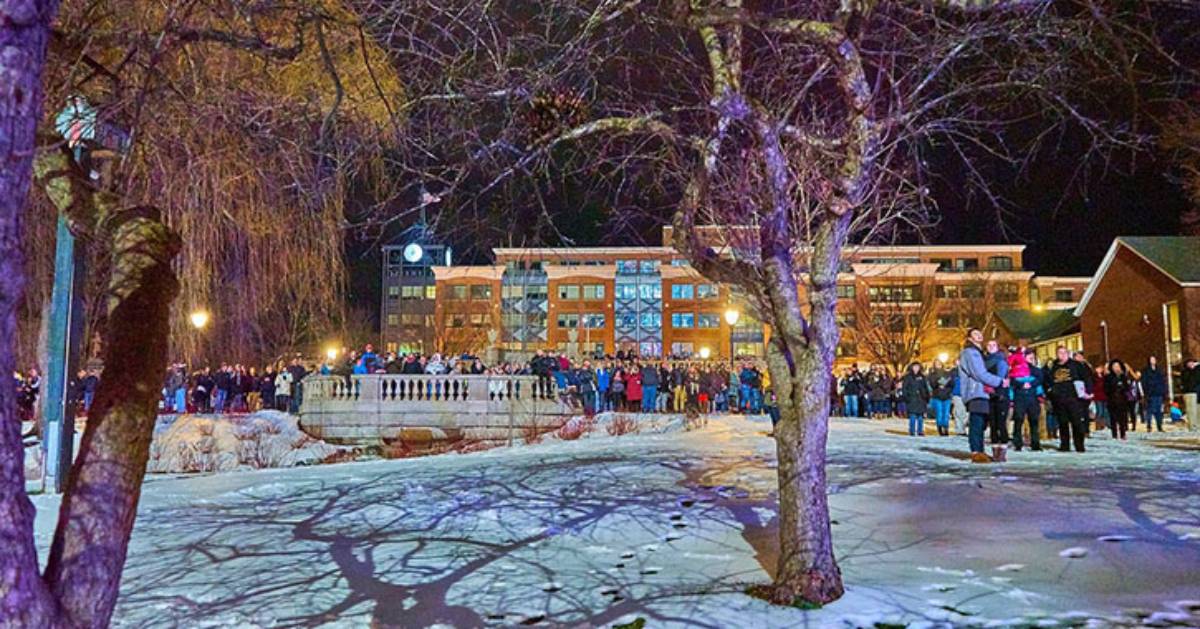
(941, 384)
(633, 389)
(914, 390)
(1118, 389)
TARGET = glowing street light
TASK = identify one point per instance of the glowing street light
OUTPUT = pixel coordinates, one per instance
(732, 316)
(1038, 307)
(331, 353)
(944, 357)
(705, 353)
(199, 319)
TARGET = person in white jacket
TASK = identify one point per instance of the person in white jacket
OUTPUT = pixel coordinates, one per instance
(283, 390)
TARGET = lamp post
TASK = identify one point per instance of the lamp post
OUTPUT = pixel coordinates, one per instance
(731, 317)
(705, 353)
(199, 319)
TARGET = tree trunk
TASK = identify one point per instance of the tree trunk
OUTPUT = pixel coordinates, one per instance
(100, 502)
(807, 572)
(24, 33)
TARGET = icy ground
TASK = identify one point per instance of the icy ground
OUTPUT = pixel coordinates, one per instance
(671, 527)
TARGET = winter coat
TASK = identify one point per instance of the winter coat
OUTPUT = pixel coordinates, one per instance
(1190, 380)
(283, 383)
(1154, 382)
(915, 391)
(1118, 390)
(852, 384)
(602, 378)
(941, 383)
(996, 363)
(649, 377)
(633, 387)
(973, 374)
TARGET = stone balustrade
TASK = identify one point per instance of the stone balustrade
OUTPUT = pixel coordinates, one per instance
(381, 408)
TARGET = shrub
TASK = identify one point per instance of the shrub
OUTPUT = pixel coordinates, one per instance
(622, 425)
(576, 428)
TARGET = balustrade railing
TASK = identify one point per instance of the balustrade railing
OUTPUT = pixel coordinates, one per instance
(398, 390)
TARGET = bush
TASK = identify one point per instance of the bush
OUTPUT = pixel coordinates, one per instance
(622, 425)
(576, 428)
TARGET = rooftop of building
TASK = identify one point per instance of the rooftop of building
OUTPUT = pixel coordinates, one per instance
(1038, 326)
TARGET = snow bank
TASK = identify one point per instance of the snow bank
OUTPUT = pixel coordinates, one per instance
(198, 443)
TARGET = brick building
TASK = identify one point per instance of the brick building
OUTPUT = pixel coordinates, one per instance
(1144, 301)
(895, 300)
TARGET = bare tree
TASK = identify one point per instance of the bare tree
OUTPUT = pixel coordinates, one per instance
(895, 322)
(796, 127)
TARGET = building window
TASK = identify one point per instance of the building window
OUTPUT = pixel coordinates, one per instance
(650, 291)
(537, 292)
(1000, 263)
(966, 264)
(593, 291)
(455, 320)
(682, 291)
(458, 292)
(481, 291)
(627, 320)
(626, 291)
(593, 320)
(1007, 292)
(895, 293)
(412, 319)
(569, 320)
(680, 262)
(651, 320)
(568, 291)
(947, 321)
(681, 349)
(943, 264)
(393, 291)
(972, 291)
(481, 320)
(948, 292)
(411, 292)
(509, 291)
(847, 319)
(708, 320)
(847, 348)
(1064, 294)
(649, 266)
(707, 291)
(683, 320)
(627, 267)
(845, 291)
(393, 320)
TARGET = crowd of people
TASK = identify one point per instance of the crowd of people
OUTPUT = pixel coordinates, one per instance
(1005, 393)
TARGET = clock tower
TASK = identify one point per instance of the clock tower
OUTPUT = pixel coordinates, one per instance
(408, 304)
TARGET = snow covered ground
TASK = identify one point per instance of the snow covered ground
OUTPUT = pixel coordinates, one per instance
(671, 527)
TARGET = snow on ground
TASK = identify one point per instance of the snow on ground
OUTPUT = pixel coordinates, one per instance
(209, 443)
(671, 527)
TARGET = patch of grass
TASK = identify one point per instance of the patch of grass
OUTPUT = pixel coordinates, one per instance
(638, 623)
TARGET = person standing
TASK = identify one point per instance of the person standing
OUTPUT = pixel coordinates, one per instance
(649, 380)
(1064, 381)
(1118, 390)
(914, 389)
(1100, 398)
(633, 389)
(997, 363)
(283, 390)
(958, 409)
(1154, 387)
(974, 378)
(851, 389)
(1026, 386)
(941, 386)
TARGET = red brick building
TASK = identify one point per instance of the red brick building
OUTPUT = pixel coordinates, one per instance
(1144, 301)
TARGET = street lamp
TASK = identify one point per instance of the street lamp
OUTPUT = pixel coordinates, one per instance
(199, 319)
(1038, 307)
(705, 353)
(944, 358)
(331, 353)
(731, 317)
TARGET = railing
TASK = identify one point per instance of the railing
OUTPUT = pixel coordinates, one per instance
(400, 389)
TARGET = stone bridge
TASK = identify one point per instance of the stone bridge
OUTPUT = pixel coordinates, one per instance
(377, 409)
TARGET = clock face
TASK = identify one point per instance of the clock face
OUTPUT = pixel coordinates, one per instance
(413, 253)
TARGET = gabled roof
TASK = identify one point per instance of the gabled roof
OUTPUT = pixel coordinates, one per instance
(1039, 326)
(1177, 257)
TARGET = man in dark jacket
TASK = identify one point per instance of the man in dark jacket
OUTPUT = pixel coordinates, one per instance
(1154, 387)
(1064, 381)
(1026, 392)
(851, 390)
(1190, 377)
(914, 389)
(650, 384)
